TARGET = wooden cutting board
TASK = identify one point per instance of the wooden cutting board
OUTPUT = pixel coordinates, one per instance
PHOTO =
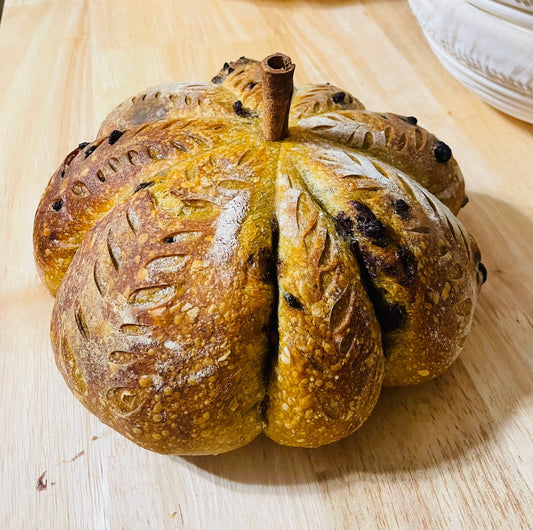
(453, 453)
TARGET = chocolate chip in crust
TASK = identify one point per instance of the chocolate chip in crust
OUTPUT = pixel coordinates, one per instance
(90, 150)
(114, 136)
(483, 271)
(401, 208)
(411, 120)
(143, 185)
(338, 97)
(442, 152)
(367, 223)
(293, 301)
(240, 110)
(408, 260)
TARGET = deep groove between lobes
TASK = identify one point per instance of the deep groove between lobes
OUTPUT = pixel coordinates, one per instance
(271, 357)
(273, 320)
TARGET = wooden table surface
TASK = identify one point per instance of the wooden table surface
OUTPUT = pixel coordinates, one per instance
(453, 453)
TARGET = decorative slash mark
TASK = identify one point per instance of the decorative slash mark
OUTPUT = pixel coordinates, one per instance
(81, 323)
(83, 145)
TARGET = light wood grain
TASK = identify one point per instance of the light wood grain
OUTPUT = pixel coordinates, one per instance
(454, 453)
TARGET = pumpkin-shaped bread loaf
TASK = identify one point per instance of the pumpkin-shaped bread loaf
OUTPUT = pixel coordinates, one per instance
(244, 256)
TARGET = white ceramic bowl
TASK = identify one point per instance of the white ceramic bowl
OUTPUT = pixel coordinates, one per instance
(487, 45)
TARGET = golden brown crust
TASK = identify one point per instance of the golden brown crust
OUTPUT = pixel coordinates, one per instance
(167, 103)
(327, 375)
(212, 285)
(420, 265)
(395, 140)
(85, 188)
(318, 99)
(242, 78)
(162, 314)
(333, 114)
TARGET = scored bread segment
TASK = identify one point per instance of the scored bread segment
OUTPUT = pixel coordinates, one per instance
(393, 139)
(167, 103)
(419, 265)
(327, 374)
(161, 324)
(109, 175)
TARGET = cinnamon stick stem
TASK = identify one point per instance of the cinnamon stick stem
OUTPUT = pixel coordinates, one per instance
(277, 77)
